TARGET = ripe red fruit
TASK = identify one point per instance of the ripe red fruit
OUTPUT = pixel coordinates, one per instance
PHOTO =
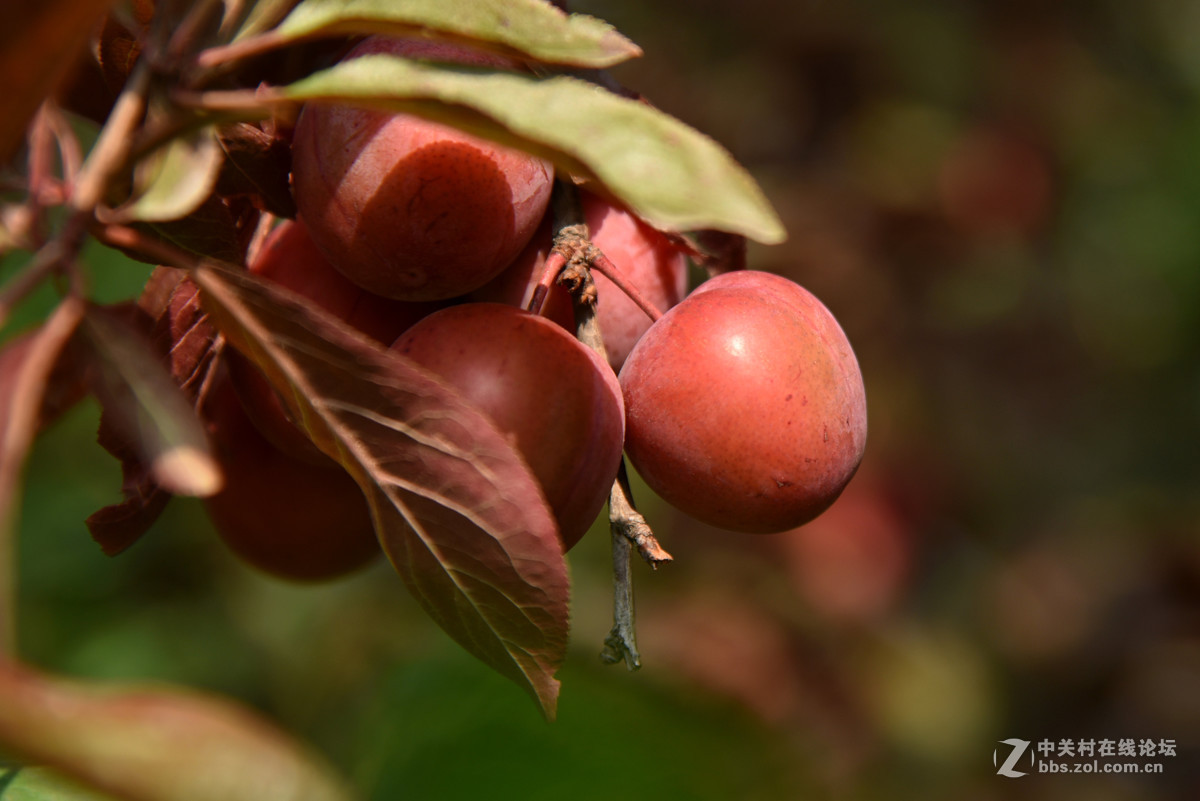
(286, 517)
(516, 284)
(290, 259)
(556, 399)
(409, 208)
(650, 261)
(745, 405)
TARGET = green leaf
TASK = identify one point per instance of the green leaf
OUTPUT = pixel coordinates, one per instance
(262, 16)
(174, 180)
(533, 27)
(42, 784)
(668, 173)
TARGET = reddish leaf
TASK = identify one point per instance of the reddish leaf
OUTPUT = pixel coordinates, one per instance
(182, 331)
(117, 51)
(156, 744)
(117, 526)
(455, 507)
(256, 164)
(147, 407)
(169, 310)
(39, 44)
(218, 229)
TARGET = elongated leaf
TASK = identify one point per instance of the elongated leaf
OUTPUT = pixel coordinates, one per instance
(671, 175)
(533, 27)
(264, 15)
(156, 744)
(151, 412)
(169, 313)
(456, 509)
(217, 229)
(39, 44)
(175, 180)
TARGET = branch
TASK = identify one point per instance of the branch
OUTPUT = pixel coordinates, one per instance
(570, 263)
(621, 643)
(17, 431)
(628, 521)
(49, 260)
(112, 148)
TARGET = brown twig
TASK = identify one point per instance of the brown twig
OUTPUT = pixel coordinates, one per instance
(621, 642)
(555, 263)
(573, 257)
(628, 522)
(70, 152)
(17, 438)
(251, 46)
(111, 149)
(48, 260)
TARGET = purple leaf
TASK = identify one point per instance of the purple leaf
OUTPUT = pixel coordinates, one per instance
(457, 511)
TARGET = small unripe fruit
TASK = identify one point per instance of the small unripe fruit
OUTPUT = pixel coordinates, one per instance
(558, 402)
(745, 405)
(409, 208)
(284, 516)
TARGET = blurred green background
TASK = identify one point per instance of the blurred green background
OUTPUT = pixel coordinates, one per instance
(999, 201)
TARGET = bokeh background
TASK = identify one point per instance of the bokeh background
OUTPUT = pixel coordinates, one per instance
(999, 200)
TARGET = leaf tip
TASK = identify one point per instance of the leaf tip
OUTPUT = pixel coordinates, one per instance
(186, 470)
(773, 232)
(547, 698)
(619, 47)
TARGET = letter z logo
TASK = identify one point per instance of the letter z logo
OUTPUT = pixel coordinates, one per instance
(1009, 767)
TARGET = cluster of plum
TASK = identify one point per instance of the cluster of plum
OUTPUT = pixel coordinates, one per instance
(741, 405)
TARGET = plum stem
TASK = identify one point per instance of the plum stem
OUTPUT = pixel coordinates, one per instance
(555, 263)
(575, 253)
(603, 265)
